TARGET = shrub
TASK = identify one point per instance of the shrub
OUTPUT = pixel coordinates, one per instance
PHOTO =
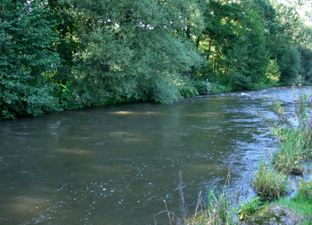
(188, 91)
(216, 88)
(203, 87)
(186, 87)
(273, 72)
(163, 89)
(28, 61)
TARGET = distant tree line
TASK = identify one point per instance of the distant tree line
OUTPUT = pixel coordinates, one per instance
(68, 54)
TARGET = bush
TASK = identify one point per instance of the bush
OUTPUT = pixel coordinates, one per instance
(185, 84)
(273, 73)
(188, 91)
(306, 63)
(240, 82)
(216, 88)
(203, 87)
(163, 89)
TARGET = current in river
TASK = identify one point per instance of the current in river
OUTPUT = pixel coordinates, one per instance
(116, 164)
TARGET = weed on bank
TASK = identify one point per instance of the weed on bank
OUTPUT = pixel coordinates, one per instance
(272, 179)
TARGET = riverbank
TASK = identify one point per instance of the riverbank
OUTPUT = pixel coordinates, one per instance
(288, 170)
(181, 87)
(178, 87)
(292, 161)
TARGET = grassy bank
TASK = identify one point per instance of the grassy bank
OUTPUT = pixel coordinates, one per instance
(287, 164)
(301, 203)
(278, 172)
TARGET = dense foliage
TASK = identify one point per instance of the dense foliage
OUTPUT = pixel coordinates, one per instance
(69, 54)
(28, 59)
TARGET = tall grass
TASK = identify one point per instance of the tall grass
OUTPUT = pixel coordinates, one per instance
(296, 140)
(305, 189)
(248, 208)
(216, 209)
(301, 203)
(269, 184)
(293, 150)
(270, 181)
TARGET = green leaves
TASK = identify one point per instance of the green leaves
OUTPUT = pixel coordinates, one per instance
(290, 65)
(128, 51)
(235, 43)
(27, 59)
(113, 51)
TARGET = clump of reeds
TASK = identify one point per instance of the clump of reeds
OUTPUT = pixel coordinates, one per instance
(293, 150)
(219, 209)
(214, 210)
(248, 208)
(270, 181)
(296, 140)
(269, 184)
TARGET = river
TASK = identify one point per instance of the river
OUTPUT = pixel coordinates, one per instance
(116, 164)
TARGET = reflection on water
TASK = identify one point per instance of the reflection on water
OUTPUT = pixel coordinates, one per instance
(73, 152)
(116, 164)
(135, 113)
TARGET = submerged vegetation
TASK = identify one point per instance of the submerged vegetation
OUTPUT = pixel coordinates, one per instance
(69, 54)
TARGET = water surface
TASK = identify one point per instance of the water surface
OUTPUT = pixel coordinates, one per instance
(116, 164)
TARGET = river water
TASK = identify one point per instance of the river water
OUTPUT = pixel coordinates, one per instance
(116, 164)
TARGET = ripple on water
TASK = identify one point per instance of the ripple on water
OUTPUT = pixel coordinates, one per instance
(72, 202)
(133, 154)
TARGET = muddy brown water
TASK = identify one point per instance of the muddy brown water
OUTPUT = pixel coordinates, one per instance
(116, 164)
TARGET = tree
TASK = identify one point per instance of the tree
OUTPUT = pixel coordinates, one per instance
(127, 51)
(290, 65)
(306, 63)
(286, 39)
(235, 43)
(28, 59)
